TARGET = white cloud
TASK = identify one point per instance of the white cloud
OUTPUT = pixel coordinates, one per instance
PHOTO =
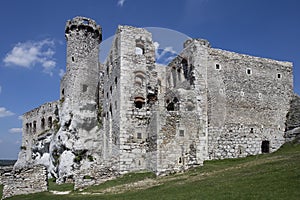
(5, 113)
(32, 53)
(20, 117)
(61, 73)
(121, 2)
(15, 130)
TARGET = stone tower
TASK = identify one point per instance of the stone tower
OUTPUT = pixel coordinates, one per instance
(83, 37)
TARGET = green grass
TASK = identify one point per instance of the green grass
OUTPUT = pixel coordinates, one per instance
(269, 176)
(1, 190)
(62, 187)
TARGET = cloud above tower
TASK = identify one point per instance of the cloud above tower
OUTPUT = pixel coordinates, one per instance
(31, 53)
(121, 2)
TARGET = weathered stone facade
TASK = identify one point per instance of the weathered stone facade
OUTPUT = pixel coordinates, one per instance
(130, 113)
(30, 179)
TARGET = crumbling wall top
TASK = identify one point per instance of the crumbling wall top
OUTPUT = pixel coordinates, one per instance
(78, 23)
(203, 42)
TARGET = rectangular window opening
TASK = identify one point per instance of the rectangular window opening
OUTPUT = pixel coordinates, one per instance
(181, 133)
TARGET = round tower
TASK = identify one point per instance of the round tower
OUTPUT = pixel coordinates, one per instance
(80, 82)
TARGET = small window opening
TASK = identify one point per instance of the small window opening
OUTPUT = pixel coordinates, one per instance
(116, 80)
(73, 59)
(139, 135)
(110, 89)
(34, 126)
(84, 88)
(63, 92)
(50, 122)
(278, 76)
(139, 102)
(171, 106)
(180, 160)
(43, 123)
(265, 147)
(218, 66)
(181, 133)
(139, 163)
(139, 47)
(139, 51)
(184, 64)
(251, 130)
(249, 71)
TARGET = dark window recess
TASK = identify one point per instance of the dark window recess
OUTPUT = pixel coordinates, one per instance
(217, 66)
(116, 80)
(139, 102)
(181, 133)
(251, 130)
(180, 160)
(248, 71)
(34, 126)
(50, 122)
(73, 59)
(139, 135)
(43, 123)
(184, 64)
(278, 75)
(171, 106)
(265, 147)
(84, 88)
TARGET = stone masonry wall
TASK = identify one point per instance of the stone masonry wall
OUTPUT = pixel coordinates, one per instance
(25, 181)
(248, 100)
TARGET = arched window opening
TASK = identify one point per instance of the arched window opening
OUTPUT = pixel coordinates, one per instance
(43, 123)
(34, 126)
(171, 106)
(184, 64)
(50, 122)
(139, 47)
(139, 102)
(139, 78)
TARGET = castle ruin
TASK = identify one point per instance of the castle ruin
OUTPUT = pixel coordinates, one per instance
(130, 113)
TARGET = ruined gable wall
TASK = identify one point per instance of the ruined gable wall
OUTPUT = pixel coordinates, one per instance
(36, 123)
(182, 136)
(248, 101)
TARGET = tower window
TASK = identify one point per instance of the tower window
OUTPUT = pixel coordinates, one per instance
(218, 67)
(73, 59)
(249, 71)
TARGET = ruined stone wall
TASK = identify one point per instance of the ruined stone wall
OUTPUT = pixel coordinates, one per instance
(36, 123)
(248, 99)
(138, 92)
(293, 120)
(31, 179)
(111, 103)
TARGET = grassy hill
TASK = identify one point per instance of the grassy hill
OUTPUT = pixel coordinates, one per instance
(268, 176)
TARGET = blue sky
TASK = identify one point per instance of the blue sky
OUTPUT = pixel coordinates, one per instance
(33, 51)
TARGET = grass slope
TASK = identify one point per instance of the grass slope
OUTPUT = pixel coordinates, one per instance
(269, 176)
